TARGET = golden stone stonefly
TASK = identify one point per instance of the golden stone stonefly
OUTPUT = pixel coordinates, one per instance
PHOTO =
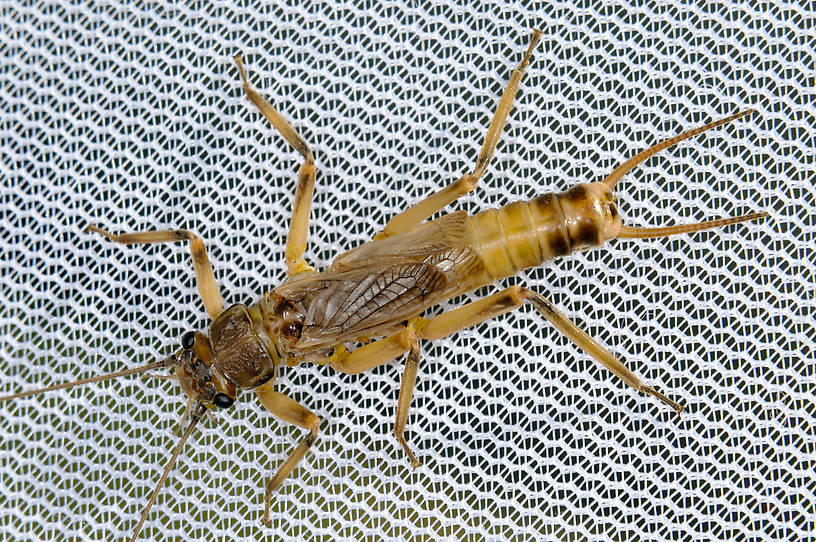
(381, 288)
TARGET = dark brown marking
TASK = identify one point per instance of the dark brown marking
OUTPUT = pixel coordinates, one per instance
(292, 329)
(199, 253)
(184, 235)
(504, 303)
(509, 300)
(545, 201)
(613, 211)
(303, 149)
(303, 182)
(481, 164)
(588, 234)
(558, 243)
(576, 193)
(283, 307)
(309, 440)
(541, 303)
(266, 379)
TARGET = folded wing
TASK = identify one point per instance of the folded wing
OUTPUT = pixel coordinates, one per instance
(375, 287)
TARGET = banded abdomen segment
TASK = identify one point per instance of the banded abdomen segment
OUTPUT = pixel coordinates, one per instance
(526, 233)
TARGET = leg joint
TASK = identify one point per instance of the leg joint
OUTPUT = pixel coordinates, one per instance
(313, 425)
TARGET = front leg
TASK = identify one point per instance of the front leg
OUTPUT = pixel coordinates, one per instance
(302, 205)
(288, 410)
(205, 278)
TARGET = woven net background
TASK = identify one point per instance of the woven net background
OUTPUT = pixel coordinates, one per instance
(130, 116)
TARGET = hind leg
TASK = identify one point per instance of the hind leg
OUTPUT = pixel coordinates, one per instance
(511, 298)
(425, 208)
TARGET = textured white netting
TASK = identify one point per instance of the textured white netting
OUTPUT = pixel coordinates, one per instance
(131, 117)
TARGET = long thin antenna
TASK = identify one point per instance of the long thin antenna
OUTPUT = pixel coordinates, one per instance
(101, 378)
(624, 168)
(200, 409)
(627, 232)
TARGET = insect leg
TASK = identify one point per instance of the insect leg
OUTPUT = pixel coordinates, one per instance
(472, 314)
(438, 327)
(499, 303)
(302, 204)
(425, 208)
(593, 348)
(373, 354)
(288, 410)
(382, 351)
(205, 278)
(404, 402)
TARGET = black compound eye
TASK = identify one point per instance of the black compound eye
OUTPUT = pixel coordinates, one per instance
(223, 401)
(188, 340)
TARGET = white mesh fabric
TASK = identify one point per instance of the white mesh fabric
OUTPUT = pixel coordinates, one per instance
(131, 117)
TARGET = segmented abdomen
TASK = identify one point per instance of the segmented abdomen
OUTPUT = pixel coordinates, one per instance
(526, 233)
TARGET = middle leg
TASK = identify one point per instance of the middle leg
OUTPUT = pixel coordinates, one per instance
(406, 393)
(302, 206)
(382, 351)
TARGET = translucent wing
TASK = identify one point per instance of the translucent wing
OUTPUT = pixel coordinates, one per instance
(442, 238)
(343, 306)
(371, 289)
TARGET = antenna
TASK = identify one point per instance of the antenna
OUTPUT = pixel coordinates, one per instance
(155, 365)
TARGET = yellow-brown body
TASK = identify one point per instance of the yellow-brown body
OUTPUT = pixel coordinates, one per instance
(370, 291)
(526, 233)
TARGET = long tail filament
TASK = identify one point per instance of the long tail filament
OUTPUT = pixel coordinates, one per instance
(642, 156)
(627, 232)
